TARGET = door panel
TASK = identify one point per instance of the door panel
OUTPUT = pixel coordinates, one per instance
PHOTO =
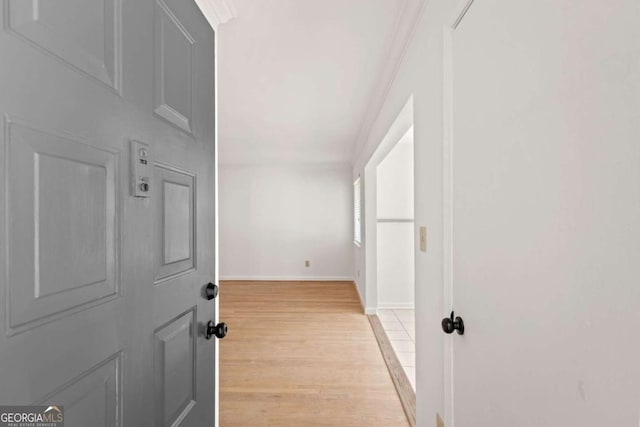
(175, 366)
(83, 34)
(175, 222)
(64, 225)
(544, 215)
(95, 395)
(173, 68)
(101, 292)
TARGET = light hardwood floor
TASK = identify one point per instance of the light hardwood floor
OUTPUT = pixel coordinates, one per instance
(301, 354)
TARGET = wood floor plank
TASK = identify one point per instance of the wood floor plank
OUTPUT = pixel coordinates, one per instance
(301, 354)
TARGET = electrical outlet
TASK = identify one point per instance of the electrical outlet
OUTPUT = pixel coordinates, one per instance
(307, 263)
(423, 238)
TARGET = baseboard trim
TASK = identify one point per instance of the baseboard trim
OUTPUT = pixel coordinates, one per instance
(365, 310)
(290, 278)
(396, 306)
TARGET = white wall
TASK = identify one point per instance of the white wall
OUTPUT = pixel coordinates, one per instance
(395, 257)
(395, 181)
(273, 218)
(592, 191)
(395, 265)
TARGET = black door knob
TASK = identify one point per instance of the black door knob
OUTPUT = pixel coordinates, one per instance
(219, 330)
(211, 291)
(449, 324)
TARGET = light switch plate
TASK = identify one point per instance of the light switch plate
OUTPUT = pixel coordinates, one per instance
(140, 169)
(423, 238)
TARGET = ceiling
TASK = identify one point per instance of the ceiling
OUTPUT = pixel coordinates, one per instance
(297, 78)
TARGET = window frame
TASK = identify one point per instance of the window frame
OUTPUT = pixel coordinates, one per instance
(357, 212)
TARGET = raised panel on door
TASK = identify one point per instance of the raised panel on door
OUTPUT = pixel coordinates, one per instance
(63, 215)
(84, 34)
(95, 395)
(175, 369)
(173, 68)
(174, 222)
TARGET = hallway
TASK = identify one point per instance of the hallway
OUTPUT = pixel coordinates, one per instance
(301, 353)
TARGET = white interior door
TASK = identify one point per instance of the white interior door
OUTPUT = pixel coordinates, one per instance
(543, 208)
(102, 292)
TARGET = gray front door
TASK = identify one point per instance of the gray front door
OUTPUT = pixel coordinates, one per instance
(101, 292)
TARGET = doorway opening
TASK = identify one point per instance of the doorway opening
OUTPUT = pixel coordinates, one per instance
(395, 251)
(389, 238)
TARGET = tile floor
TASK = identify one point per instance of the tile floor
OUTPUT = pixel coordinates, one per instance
(400, 326)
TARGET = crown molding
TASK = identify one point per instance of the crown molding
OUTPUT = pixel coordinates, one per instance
(412, 11)
(218, 12)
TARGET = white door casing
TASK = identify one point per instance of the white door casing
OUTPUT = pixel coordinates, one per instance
(103, 309)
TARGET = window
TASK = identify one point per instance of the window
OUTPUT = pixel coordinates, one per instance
(357, 223)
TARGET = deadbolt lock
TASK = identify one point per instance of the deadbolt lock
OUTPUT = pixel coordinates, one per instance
(140, 169)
